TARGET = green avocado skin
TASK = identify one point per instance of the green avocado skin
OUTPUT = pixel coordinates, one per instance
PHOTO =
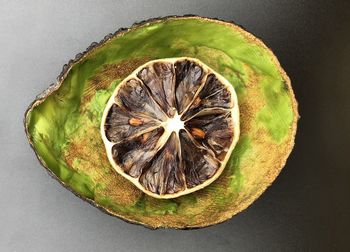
(64, 116)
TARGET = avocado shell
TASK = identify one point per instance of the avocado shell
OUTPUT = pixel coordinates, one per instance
(62, 124)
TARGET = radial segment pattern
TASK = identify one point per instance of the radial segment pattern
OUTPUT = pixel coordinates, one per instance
(170, 126)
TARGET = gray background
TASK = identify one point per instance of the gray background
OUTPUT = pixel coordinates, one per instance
(307, 208)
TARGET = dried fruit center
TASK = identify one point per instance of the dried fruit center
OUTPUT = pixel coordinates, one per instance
(174, 124)
(171, 126)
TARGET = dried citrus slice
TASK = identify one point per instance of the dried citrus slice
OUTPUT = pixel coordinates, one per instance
(170, 126)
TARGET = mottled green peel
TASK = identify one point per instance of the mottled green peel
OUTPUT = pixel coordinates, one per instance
(64, 128)
(276, 116)
(237, 156)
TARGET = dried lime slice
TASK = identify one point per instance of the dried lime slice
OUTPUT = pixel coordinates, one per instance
(170, 126)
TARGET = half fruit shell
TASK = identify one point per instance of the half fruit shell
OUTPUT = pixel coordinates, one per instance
(63, 123)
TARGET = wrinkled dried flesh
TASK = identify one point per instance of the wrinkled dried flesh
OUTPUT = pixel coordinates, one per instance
(132, 155)
(213, 95)
(199, 164)
(135, 98)
(160, 80)
(121, 124)
(164, 174)
(213, 131)
(166, 162)
(189, 78)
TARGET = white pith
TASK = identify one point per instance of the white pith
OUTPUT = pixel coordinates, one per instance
(174, 124)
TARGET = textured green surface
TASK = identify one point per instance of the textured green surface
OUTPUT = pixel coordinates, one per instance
(64, 128)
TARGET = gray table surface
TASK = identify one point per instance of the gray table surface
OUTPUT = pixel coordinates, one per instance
(303, 210)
